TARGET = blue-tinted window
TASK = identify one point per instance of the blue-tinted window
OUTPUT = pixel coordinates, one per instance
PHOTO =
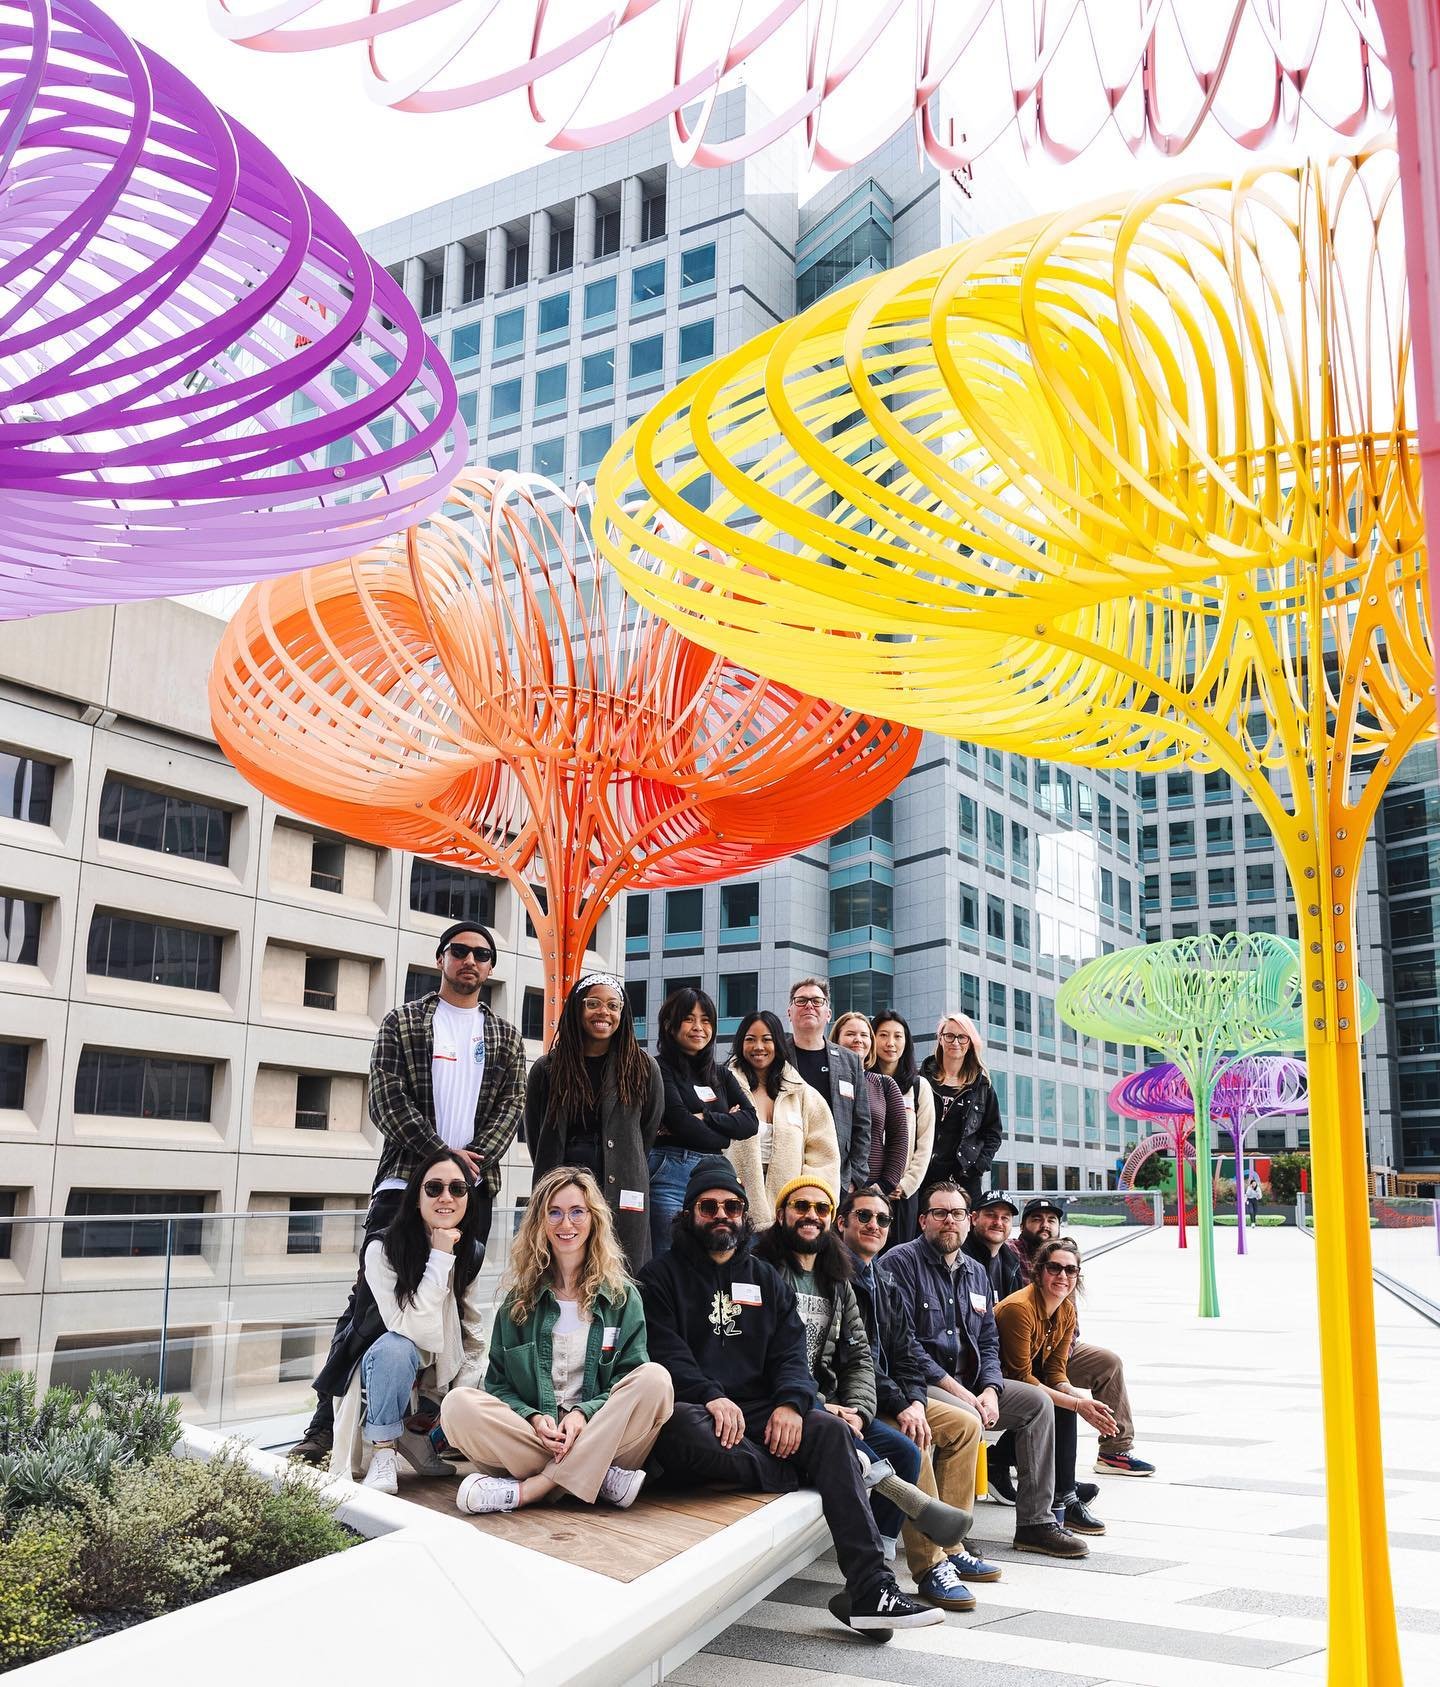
(555, 313)
(509, 329)
(647, 357)
(697, 265)
(697, 342)
(504, 400)
(503, 460)
(549, 458)
(648, 282)
(600, 298)
(550, 385)
(465, 345)
(597, 372)
(145, 819)
(594, 443)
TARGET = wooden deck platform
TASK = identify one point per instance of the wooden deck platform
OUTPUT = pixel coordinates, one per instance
(619, 1544)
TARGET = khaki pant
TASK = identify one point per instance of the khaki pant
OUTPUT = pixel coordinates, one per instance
(1102, 1372)
(499, 1442)
(947, 1472)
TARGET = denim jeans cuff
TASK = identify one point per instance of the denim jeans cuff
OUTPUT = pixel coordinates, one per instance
(384, 1431)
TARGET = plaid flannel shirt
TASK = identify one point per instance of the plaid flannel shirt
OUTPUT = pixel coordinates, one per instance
(402, 1093)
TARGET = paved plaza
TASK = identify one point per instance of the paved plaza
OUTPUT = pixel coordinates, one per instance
(1213, 1571)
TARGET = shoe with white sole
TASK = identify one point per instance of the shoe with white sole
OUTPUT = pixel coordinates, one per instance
(418, 1451)
(621, 1486)
(481, 1494)
(887, 1608)
(382, 1475)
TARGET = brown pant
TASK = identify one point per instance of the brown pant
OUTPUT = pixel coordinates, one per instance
(499, 1442)
(947, 1471)
(1102, 1372)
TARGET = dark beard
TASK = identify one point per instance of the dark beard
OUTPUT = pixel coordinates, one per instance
(798, 1244)
(720, 1235)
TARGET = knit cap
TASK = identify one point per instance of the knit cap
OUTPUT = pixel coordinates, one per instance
(806, 1180)
(715, 1173)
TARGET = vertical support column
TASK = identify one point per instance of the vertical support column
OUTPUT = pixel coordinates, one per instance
(584, 228)
(414, 279)
(539, 244)
(630, 212)
(454, 274)
(494, 260)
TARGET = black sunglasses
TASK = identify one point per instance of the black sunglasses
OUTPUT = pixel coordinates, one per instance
(709, 1207)
(864, 1215)
(463, 952)
(435, 1187)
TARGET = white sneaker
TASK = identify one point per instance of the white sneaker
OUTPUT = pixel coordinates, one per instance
(481, 1494)
(621, 1486)
(382, 1472)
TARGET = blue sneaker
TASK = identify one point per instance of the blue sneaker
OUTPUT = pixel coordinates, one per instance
(942, 1587)
(1123, 1464)
(972, 1569)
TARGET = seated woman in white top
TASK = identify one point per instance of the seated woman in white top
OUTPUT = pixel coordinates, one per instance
(796, 1131)
(427, 1318)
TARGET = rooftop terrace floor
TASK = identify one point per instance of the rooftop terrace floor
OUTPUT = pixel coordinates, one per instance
(1212, 1573)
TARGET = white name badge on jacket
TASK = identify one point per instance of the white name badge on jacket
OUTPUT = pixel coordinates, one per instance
(847, 1089)
(703, 1092)
(745, 1294)
(632, 1200)
(977, 1302)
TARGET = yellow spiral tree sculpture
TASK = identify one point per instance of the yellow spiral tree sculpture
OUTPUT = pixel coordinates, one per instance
(1134, 487)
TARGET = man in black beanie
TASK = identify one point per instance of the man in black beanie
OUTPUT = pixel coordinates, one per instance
(444, 1072)
(725, 1326)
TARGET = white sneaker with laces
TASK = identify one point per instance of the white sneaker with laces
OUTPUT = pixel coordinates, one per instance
(621, 1486)
(481, 1494)
(382, 1472)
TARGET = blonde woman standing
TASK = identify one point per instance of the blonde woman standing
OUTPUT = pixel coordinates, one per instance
(571, 1400)
(797, 1132)
(895, 1057)
(967, 1111)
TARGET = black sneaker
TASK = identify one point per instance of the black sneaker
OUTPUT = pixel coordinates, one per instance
(1050, 1539)
(1000, 1484)
(1082, 1521)
(886, 1607)
(1085, 1492)
(314, 1449)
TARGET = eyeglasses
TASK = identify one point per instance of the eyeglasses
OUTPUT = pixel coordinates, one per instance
(465, 951)
(863, 1215)
(1062, 1270)
(953, 1037)
(575, 1214)
(821, 1209)
(435, 1187)
(807, 1001)
(711, 1208)
(953, 1213)
(598, 1004)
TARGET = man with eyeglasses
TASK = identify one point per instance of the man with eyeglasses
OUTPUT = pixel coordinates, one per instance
(952, 1307)
(445, 1072)
(947, 1435)
(837, 1073)
(725, 1324)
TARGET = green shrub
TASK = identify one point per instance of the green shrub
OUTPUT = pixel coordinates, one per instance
(1151, 1174)
(1269, 1221)
(1094, 1220)
(1285, 1172)
(297, 1524)
(37, 1570)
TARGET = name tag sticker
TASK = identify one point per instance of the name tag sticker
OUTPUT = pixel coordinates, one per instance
(703, 1092)
(745, 1294)
(847, 1089)
(909, 1103)
(612, 1332)
(977, 1300)
(632, 1200)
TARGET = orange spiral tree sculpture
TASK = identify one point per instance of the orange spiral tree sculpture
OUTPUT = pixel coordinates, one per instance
(479, 691)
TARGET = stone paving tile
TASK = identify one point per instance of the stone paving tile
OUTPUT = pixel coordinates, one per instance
(855, 1656)
(1108, 1563)
(1063, 1628)
(1254, 1485)
(816, 1595)
(1264, 1603)
(1202, 1438)
(1398, 1537)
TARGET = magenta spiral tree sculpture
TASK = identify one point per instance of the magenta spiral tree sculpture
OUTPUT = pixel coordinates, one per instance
(1141, 1096)
(203, 377)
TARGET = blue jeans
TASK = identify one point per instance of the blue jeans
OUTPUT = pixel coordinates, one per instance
(387, 1375)
(887, 1443)
(670, 1170)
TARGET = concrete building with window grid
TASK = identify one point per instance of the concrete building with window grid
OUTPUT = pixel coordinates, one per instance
(191, 979)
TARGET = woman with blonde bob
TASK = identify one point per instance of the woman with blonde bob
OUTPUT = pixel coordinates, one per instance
(797, 1130)
(571, 1403)
(968, 1131)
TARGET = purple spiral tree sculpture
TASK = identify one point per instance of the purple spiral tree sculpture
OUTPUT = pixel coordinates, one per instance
(1141, 1096)
(203, 377)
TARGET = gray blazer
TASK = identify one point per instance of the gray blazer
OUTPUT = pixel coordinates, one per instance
(850, 1112)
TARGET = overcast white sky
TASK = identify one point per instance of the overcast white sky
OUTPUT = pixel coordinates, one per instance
(373, 165)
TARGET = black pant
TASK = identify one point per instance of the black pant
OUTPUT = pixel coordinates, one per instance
(689, 1450)
(904, 1219)
(1067, 1431)
(384, 1204)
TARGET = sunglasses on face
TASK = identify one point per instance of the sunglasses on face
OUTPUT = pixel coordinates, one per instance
(465, 951)
(821, 1209)
(576, 1215)
(1062, 1270)
(711, 1208)
(863, 1215)
(435, 1187)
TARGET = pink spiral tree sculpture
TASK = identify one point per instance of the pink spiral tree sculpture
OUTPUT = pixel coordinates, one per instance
(202, 371)
(1155, 75)
(1140, 1097)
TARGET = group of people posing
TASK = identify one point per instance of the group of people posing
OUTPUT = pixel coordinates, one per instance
(767, 1271)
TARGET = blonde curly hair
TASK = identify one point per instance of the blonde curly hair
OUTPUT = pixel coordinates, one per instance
(530, 1268)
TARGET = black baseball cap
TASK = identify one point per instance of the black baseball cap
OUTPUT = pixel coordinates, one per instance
(1043, 1204)
(997, 1198)
(450, 933)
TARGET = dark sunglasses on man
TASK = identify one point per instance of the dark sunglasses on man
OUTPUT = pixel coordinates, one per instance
(709, 1207)
(871, 1215)
(464, 952)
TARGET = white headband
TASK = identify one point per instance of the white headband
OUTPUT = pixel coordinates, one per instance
(588, 979)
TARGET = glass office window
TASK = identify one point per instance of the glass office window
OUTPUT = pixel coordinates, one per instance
(648, 282)
(697, 266)
(509, 330)
(647, 357)
(600, 299)
(505, 401)
(697, 342)
(555, 313)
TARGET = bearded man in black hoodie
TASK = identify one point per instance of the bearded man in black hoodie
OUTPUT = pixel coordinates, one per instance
(725, 1326)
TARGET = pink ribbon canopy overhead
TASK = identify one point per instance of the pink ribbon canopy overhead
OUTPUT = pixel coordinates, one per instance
(201, 371)
(1155, 69)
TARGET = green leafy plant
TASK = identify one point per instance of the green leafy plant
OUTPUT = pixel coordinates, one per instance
(1151, 1175)
(1096, 1221)
(1285, 1172)
(37, 1571)
(297, 1524)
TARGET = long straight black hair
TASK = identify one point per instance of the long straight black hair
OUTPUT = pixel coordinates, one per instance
(906, 1072)
(407, 1242)
(775, 1072)
(674, 1011)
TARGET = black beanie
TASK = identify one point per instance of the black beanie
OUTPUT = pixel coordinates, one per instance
(716, 1173)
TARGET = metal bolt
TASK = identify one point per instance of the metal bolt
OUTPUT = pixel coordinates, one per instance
(1318, 984)
(1309, 872)
(1304, 837)
(1319, 1024)
(1314, 948)
(338, 473)
(1339, 908)
(1344, 1024)
(1339, 948)
(1340, 833)
(1313, 909)
(1342, 983)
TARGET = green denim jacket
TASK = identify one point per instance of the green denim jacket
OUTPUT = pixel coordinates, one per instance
(521, 1354)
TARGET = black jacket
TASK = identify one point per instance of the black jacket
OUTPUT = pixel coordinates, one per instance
(968, 1131)
(719, 1127)
(899, 1359)
(1004, 1271)
(717, 1347)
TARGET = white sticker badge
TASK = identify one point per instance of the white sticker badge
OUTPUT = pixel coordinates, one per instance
(745, 1294)
(703, 1092)
(977, 1301)
(632, 1200)
(847, 1089)
(612, 1333)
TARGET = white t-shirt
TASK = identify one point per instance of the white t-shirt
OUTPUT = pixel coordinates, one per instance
(457, 1069)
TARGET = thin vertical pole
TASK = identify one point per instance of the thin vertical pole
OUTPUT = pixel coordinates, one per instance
(165, 1301)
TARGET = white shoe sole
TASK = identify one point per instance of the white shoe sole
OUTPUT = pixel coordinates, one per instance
(630, 1497)
(1114, 1470)
(927, 1618)
(462, 1505)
